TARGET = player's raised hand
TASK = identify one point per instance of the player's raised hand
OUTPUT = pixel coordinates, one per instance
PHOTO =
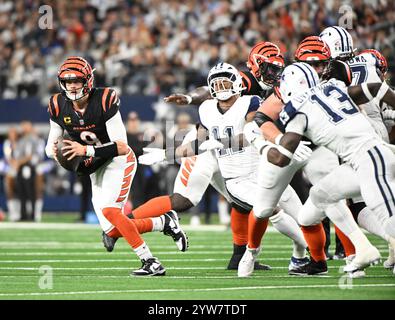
(302, 152)
(211, 144)
(178, 98)
(152, 156)
(73, 149)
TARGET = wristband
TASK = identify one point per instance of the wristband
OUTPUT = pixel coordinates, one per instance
(285, 152)
(188, 97)
(89, 151)
(278, 138)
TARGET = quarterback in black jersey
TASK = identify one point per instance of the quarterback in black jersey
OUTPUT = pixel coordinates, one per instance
(92, 120)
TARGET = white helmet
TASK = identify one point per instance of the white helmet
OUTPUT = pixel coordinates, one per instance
(296, 79)
(224, 72)
(339, 41)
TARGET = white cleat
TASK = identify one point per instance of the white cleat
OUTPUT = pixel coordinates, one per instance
(390, 262)
(369, 257)
(246, 264)
(358, 273)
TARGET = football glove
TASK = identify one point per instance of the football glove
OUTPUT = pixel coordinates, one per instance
(211, 144)
(302, 152)
(152, 156)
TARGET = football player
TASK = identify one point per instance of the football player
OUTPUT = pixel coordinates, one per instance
(369, 66)
(326, 113)
(311, 50)
(91, 118)
(265, 64)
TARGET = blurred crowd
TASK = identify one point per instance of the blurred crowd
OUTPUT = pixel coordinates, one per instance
(158, 47)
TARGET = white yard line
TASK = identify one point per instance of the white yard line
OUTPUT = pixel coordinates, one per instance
(179, 290)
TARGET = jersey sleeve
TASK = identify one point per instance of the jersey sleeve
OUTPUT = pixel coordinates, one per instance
(297, 124)
(255, 102)
(110, 103)
(287, 113)
(53, 107)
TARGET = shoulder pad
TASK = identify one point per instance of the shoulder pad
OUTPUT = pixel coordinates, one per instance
(53, 105)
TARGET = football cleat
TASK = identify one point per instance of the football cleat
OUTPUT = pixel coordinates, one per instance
(312, 268)
(390, 262)
(369, 257)
(295, 263)
(173, 229)
(150, 267)
(247, 262)
(108, 242)
(235, 260)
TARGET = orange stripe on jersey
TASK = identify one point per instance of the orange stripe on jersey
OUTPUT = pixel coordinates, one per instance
(113, 95)
(189, 165)
(131, 157)
(185, 173)
(124, 192)
(184, 181)
(129, 170)
(246, 79)
(55, 102)
(120, 199)
(126, 181)
(49, 107)
(104, 98)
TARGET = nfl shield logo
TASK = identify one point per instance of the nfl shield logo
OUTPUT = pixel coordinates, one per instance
(82, 122)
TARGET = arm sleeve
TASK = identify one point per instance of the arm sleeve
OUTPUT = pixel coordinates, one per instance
(55, 132)
(116, 129)
(298, 124)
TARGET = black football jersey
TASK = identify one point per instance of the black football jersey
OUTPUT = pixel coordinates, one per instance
(88, 128)
(252, 86)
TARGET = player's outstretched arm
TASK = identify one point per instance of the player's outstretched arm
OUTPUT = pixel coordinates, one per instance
(375, 92)
(195, 97)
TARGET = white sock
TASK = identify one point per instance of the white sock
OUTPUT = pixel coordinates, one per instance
(368, 220)
(143, 252)
(14, 209)
(158, 223)
(342, 217)
(38, 210)
(223, 214)
(288, 226)
(359, 240)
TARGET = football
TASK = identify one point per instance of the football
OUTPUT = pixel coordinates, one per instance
(70, 165)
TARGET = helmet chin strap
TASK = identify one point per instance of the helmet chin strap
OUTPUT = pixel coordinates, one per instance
(76, 96)
(263, 85)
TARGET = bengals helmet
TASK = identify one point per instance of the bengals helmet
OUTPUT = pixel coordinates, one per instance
(382, 63)
(76, 68)
(315, 52)
(266, 63)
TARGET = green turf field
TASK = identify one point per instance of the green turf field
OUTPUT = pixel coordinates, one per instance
(82, 269)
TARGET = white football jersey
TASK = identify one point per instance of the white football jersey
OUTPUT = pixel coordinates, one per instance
(233, 162)
(363, 68)
(328, 117)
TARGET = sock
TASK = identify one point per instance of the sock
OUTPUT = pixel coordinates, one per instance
(360, 241)
(38, 208)
(125, 226)
(143, 252)
(14, 209)
(147, 225)
(315, 238)
(342, 217)
(349, 248)
(157, 223)
(368, 220)
(223, 214)
(239, 227)
(114, 233)
(288, 227)
(153, 208)
(256, 230)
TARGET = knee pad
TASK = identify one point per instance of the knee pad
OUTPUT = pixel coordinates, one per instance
(320, 197)
(261, 213)
(180, 203)
(309, 214)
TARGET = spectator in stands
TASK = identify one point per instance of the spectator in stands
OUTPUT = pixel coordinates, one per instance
(10, 150)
